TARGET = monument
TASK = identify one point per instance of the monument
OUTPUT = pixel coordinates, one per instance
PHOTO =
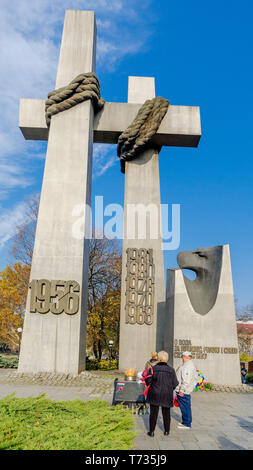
(201, 314)
(56, 312)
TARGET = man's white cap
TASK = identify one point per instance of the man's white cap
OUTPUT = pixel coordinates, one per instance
(187, 353)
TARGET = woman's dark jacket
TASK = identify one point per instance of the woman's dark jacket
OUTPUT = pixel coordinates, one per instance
(163, 382)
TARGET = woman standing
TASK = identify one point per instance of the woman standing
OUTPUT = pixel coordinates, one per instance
(162, 383)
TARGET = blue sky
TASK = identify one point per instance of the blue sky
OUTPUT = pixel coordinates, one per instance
(200, 54)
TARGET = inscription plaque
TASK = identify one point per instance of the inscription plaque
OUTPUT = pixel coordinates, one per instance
(54, 296)
(199, 352)
(140, 284)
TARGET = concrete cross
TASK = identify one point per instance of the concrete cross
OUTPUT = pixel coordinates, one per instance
(140, 333)
(56, 314)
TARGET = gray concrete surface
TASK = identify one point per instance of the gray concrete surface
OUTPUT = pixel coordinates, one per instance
(142, 187)
(179, 127)
(95, 385)
(188, 330)
(57, 342)
(206, 264)
(220, 420)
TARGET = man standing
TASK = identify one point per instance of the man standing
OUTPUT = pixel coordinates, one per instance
(186, 376)
(243, 373)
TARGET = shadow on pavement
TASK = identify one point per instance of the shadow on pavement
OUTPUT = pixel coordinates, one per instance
(244, 423)
(159, 423)
(226, 444)
(176, 416)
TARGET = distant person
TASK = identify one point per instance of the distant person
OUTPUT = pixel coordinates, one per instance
(243, 374)
(187, 378)
(151, 363)
(162, 382)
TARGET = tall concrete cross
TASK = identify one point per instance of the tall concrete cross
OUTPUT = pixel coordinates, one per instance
(56, 313)
(142, 286)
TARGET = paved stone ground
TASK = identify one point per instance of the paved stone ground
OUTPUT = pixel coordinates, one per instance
(92, 385)
(220, 420)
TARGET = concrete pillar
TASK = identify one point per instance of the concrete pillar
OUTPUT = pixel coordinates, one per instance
(142, 186)
(56, 342)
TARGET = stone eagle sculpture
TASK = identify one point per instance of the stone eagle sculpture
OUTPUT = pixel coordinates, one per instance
(206, 263)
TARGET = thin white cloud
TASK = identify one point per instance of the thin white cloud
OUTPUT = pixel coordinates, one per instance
(10, 177)
(108, 164)
(9, 219)
(104, 157)
(115, 52)
(3, 194)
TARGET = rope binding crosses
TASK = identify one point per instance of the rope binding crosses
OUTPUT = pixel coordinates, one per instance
(84, 87)
(138, 135)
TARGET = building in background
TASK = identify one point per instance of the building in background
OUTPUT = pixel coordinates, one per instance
(245, 337)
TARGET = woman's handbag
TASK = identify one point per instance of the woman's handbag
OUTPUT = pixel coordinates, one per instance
(147, 387)
(175, 401)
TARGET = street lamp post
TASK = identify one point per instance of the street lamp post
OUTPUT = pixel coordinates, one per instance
(110, 347)
(19, 330)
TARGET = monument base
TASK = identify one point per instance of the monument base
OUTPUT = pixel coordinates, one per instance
(212, 336)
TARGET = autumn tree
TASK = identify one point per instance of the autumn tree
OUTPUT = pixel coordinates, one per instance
(103, 295)
(23, 240)
(14, 279)
(245, 313)
(13, 290)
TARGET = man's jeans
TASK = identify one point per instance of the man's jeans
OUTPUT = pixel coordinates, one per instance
(185, 407)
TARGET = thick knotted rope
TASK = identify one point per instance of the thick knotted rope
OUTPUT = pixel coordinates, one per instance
(135, 138)
(138, 135)
(83, 87)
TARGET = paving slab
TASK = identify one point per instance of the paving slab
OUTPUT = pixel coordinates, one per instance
(221, 421)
